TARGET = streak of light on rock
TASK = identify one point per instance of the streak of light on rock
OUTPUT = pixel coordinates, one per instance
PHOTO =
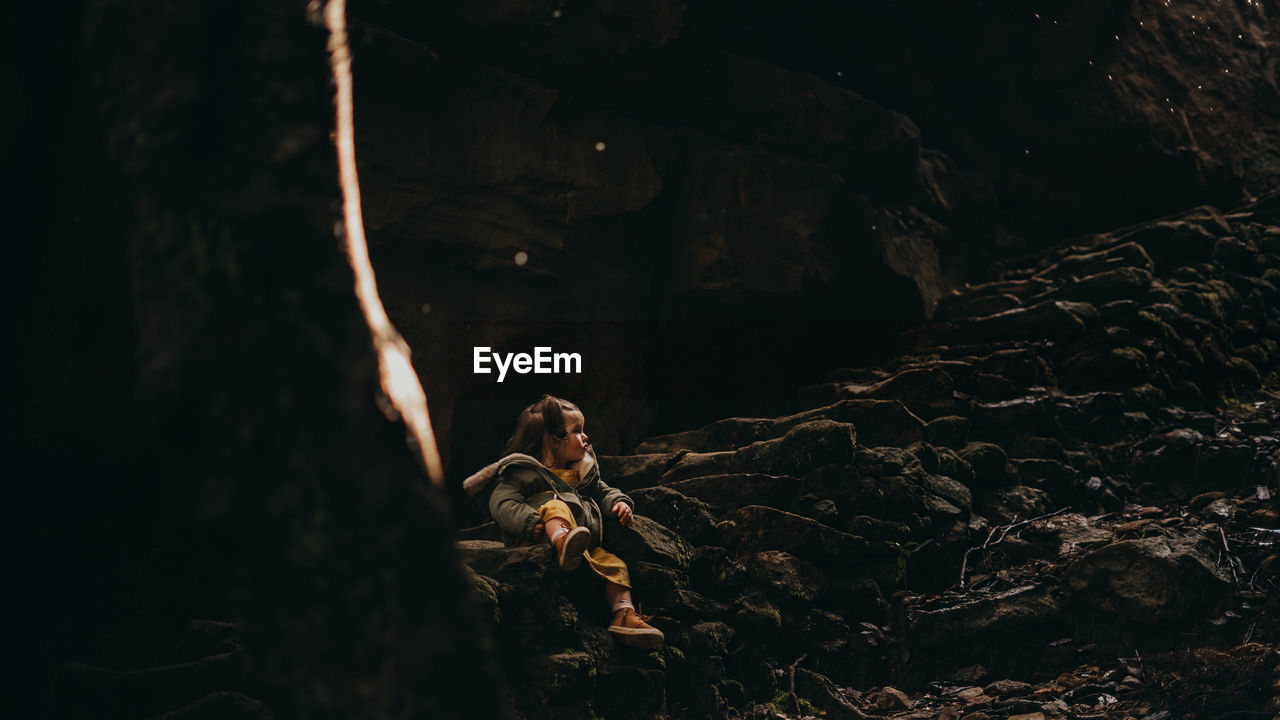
(396, 374)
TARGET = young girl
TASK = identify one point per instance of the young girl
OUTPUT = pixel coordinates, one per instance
(549, 490)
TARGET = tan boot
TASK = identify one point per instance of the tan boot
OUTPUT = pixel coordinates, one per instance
(572, 545)
(630, 628)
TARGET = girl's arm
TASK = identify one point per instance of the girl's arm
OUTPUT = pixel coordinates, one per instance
(509, 507)
(607, 496)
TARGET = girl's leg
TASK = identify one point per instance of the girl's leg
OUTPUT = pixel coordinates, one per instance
(627, 625)
(559, 530)
(552, 529)
(617, 596)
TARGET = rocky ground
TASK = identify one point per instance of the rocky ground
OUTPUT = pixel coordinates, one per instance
(1059, 503)
(196, 412)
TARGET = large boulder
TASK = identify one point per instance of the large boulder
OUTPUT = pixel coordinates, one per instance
(803, 448)
(1150, 580)
(522, 567)
(724, 493)
(689, 517)
(1004, 613)
(756, 528)
(785, 576)
(647, 540)
(629, 472)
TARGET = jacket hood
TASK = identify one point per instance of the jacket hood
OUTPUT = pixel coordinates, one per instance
(482, 477)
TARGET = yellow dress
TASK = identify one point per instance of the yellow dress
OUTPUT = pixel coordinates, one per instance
(602, 562)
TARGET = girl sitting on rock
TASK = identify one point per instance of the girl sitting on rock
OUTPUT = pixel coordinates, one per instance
(549, 490)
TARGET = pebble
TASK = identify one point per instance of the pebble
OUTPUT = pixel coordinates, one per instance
(1009, 688)
(890, 698)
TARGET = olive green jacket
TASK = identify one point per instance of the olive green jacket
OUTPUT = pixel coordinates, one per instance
(523, 485)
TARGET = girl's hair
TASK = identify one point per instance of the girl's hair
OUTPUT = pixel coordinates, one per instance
(538, 425)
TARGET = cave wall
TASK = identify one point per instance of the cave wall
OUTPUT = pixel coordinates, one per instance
(199, 429)
(756, 191)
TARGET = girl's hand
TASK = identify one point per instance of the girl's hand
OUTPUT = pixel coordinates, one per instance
(536, 533)
(623, 511)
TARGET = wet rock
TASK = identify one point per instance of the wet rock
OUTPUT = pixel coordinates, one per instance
(1011, 611)
(1124, 254)
(1150, 580)
(757, 528)
(1052, 320)
(804, 447)
(951, 431)
(631, 691)
(647, 540)
(950, 465)
(920, 389)
(692, 465)
(628, 472)
(689, 604)
(988, 461)
(1223, 463)
(1042, 447)
(1008, 688)
(877, 422)
(1015, 503)
(953, 491)
(1024, 367)
(689, 517)
(877, 532)
(1174, 241)
(727, 434)
(563, 676)
(521, 566)
(1124, 283)
(712, 569)
(959, 306)
(1117, 367)
(658, 578)
(818, 631)
(890, 699)
(220, 706)
(1010, 422)
(825, 696)
(1168, 457)
(710, 638)
(970, 674)
(724, 493)
(756, 611)
(785, 576)
(484, 593)
(1220, 511)
(1066, 534)
(1054, 477)
(1237, 254)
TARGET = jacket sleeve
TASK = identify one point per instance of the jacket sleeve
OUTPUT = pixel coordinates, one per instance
(509, 508)
(607, 496)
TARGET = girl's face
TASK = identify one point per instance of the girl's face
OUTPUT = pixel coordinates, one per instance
(574, 446)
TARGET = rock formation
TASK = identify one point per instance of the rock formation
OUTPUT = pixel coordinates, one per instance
(1051, 493)
(1039, 482)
